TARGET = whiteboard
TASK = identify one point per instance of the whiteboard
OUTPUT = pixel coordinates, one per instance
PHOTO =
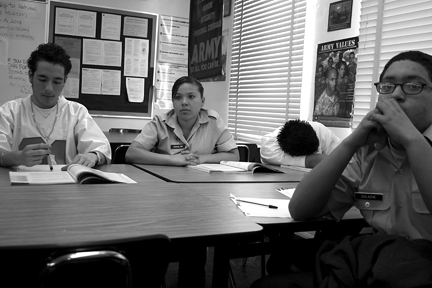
(22, 29)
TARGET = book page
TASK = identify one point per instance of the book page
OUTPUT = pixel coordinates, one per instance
(55, 177)
(298, 168)
(242, 165)
(77, 170)
(212, 168)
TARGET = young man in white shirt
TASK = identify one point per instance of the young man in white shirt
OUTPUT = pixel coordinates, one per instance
(298, 143)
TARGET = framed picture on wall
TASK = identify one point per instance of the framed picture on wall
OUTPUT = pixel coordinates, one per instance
(340, 15)
(226, 8)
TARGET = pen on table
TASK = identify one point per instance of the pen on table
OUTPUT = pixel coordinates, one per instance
(270, 206)
(49, 162)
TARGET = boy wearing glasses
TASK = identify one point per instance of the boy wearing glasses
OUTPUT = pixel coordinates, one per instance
(384, 169)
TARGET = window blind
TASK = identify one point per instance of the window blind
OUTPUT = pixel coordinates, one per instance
(387, 28)
(266, 67)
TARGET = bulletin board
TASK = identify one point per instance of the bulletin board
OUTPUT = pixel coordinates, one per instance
(113, 57)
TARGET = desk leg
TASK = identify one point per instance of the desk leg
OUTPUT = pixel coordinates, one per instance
(220, 267)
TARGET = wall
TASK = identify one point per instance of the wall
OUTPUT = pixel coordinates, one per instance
(216, 93)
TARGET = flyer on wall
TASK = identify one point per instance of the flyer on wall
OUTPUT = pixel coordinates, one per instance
(335, 76)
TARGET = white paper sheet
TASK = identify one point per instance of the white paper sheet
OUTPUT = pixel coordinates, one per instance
(135, 89)
(263, 211)
(110, 26)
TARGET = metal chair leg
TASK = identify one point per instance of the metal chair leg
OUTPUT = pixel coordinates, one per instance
(231, 277)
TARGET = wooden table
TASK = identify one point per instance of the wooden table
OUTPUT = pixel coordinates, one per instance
(58, 216)
(188, 175)
(220, 192)
(279, 231)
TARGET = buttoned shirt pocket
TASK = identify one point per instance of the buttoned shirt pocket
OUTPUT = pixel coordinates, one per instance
(372, 201)
(418, 204)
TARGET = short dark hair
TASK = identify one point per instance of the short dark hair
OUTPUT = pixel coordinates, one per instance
(416, 56)
(327, 72)
(298, 138)
(339, 64)
(52, 53)
(186, 79)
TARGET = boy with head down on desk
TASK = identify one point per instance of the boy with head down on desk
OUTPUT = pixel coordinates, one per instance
(45, 124)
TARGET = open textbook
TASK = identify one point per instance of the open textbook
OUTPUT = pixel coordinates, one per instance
(236, 167)
(76, 173)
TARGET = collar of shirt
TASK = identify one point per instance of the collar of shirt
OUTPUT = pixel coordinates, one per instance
(427, 134)
(171, 118)
(61, 102)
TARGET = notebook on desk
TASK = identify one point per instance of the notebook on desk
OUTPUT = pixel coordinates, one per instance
(76, 173)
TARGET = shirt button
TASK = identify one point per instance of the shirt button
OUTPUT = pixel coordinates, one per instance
(400, 171)
(400, 205)
(367, 204)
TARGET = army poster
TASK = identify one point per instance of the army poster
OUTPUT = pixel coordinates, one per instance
(335, 76)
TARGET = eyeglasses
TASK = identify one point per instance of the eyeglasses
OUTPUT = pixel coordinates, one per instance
(409, 88)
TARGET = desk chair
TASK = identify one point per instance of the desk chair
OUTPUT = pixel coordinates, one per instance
(138, 262)
(244, 152)
(99, 268)
(119, 154)
(124, 130)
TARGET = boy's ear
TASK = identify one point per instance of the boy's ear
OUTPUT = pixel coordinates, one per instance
(202, 101)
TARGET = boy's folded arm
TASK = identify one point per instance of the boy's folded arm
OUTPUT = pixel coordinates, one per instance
(313, 192)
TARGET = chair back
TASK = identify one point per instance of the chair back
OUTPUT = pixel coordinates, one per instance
(140, 262)
(119, 154)
(98, 268)
(124, 130)
(136, 262)
(244, 152)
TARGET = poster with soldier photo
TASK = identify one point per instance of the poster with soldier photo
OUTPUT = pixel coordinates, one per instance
(335, 77)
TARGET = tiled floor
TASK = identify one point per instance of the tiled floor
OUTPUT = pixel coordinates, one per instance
(243, 275)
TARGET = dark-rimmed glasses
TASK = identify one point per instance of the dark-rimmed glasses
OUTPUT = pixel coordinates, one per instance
(409, 88)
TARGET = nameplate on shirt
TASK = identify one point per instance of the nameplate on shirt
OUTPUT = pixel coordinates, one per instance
(369, 196)
(178, 146)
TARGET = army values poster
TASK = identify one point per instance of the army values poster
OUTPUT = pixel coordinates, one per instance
(335, 77)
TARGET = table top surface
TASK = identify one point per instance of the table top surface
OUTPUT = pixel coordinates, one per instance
(220, 194)
(188, 175)
(73, 214)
